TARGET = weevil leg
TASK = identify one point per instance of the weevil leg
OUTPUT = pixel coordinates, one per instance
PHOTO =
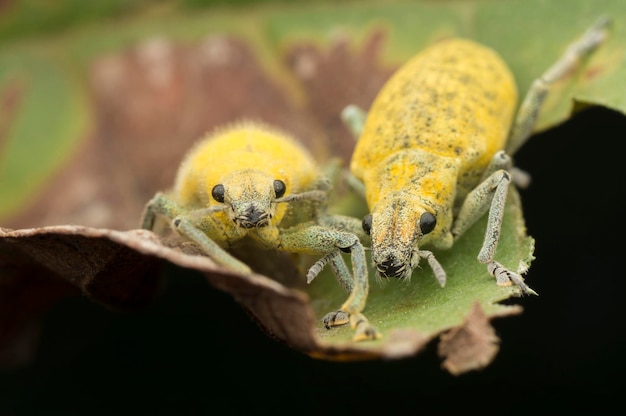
(354, 118)
(520, 177)
(182, 222)
(342, 273)
(338, 267)
(489, 195)
(355, 303)
(158, 205)
(325, 240)
(344, 223)
(354, 183)
(568, 62)
(505, 277)
(329, 174)
(501, 160)
(186, 228)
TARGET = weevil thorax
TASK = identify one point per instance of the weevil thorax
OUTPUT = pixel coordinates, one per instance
(251, 165)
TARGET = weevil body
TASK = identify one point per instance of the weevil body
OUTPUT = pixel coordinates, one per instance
(428, 138)
(249, 180)
(246, 169)
(433, 154)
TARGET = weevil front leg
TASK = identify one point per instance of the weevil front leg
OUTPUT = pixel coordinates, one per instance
(490, 195)
(191, 226)
(330, 242)
(536, 95)
(340, 317)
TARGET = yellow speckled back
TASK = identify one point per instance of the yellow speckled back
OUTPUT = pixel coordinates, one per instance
(457, 98)
(241, 146)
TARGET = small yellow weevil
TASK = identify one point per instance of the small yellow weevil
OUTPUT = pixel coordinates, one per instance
(236, 183)
(433, 154)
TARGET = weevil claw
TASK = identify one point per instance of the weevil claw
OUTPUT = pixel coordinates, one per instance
(505, 277)
(336, 318)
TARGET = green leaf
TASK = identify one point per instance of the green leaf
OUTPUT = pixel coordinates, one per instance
(420, 304)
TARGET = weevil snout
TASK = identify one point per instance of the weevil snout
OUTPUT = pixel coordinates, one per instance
(395, 232)
(392, 267)
(252, 217)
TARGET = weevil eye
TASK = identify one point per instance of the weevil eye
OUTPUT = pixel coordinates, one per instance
(427, 222)
(367, 223)
(279, 188)
(218, 193)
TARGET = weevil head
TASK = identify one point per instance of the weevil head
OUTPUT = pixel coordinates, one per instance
(396, 228)
(249, 196)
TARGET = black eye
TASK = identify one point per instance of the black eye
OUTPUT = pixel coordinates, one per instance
(367, 223)
(218, 193)
(427, 222)
(279, 188)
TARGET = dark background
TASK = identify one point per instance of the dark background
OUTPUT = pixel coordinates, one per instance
(195, 351)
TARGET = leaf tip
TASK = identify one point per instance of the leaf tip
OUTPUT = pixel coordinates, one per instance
(470, 346)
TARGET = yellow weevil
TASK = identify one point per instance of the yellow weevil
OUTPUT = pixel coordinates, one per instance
(433, 154)
(250, 180)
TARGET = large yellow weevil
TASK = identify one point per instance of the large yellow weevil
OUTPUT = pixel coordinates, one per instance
(236, 184)
(433, 153)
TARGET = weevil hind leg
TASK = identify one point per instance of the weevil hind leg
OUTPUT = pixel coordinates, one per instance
(571, 59)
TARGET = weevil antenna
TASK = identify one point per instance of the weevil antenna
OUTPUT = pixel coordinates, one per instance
(303, 196)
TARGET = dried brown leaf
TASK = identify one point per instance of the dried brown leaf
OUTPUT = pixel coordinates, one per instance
(471, 346)
(121, 269)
